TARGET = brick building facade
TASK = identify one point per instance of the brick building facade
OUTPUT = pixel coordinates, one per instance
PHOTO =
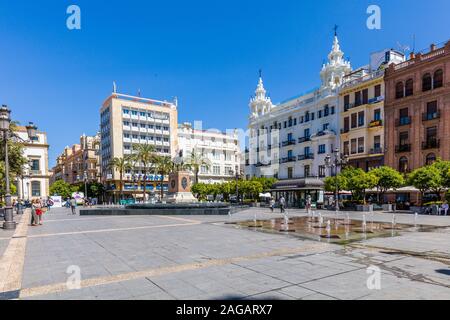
(417, 110)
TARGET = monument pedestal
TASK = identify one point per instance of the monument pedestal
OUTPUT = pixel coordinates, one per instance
(180, 188)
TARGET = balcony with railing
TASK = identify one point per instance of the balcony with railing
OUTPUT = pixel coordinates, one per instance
(288, 143)
(403, 121)
(289, 159)
(403, 148)
(304, 139)
(345, 130)
(306, 156)
(427, 116)
(377, 150)
(431, 144)
(375, 123)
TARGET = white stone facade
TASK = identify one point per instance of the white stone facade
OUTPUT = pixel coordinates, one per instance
(291, 140)
(35, 183)
(221, 149)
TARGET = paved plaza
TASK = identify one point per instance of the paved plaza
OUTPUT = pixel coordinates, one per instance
(205, 257)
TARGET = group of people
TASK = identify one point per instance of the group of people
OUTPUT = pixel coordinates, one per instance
(38, 208)
(282, 203)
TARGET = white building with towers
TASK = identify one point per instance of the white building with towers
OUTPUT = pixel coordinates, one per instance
(290, 140)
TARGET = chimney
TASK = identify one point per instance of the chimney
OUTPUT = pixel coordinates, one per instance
(432, 47)
(412, 55)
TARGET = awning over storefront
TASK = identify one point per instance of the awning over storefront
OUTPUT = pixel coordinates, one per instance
(298, 184)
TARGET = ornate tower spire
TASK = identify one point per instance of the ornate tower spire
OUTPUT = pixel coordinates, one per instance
(260, 103)
(336, 68)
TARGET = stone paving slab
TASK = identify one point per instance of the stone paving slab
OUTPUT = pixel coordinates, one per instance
(201, 257)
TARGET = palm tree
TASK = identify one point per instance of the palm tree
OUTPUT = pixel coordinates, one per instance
(163, 166)
(144, 154)
(120, 165)
(195, 161)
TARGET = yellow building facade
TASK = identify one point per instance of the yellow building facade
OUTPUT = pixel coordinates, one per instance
(362, 119)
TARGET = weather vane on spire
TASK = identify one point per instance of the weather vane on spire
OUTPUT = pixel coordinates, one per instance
(335, 29)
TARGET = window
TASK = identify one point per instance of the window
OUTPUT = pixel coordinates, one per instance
(409, 88)
(216, 170)
(142, 114)
(126, 111)
(326, 126)
(126, 123)
(377, 115)
(346, 148)
(319, 115)
(35, 165)
(307, 151)
(361, 119)
(377, 143)
(302, 119)
(307, 133)
(377, 90)
(307, 171)
(346, 102)
(361, 145)
(285, 124)
(126, 135)
(432, 110)
(426, 82)
(322, 171)
(333, 110)
(438, 79)
(35, 189)
(143, 126)
(354, 118)
(365, 96)
(403, 165)
(289, 137)
(353, 146)
(203, 169)
(290, 172)
(307, 117)
(134, 113)
(431, 134)
(399, 90)
(346, 124)
(312, 116)
(430, 159)
(326, 111)
(357, 98)
(295, 121)
(322, 149)
(404, 138)
(290, 122)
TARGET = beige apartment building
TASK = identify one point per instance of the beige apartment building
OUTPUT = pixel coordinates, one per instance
(220, 148)
(34, 183)
(79, 162)
(129, 120)
(362, 117)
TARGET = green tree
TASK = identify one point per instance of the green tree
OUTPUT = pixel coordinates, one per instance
(144, 158)
(358, 181)
(163, 167)
(195, 161)
(62, 188)
(267, 183)
(200, 190)
(121, 165)
(428, 178)
(387, 178)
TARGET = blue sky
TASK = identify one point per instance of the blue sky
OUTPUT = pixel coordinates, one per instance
(207, 53)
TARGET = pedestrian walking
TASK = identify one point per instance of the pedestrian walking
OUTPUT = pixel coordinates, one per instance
(282, 204)
(445, 208)
(272, 204)
(73, 205)
(50, 203)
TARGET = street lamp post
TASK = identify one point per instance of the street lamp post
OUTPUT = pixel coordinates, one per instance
(85, 178)
(340, 160)
(5, 122)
